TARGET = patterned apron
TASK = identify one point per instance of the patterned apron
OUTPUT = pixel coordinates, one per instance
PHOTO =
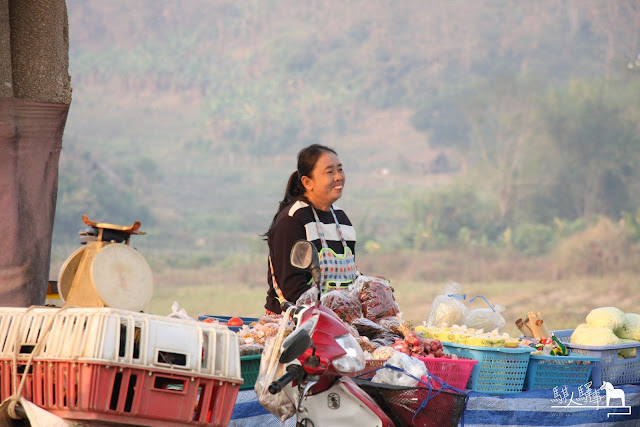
(338, 271)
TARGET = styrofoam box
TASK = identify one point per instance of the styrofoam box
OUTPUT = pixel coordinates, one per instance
(121, 337)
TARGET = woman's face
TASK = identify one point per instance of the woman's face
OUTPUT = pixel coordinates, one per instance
(326, 182)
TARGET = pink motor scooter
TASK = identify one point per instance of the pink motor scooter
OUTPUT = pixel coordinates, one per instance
(320, 354)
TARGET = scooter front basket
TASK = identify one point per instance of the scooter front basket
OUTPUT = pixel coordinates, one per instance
(416, 406)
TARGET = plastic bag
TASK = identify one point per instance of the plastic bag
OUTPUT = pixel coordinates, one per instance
(250, 348)
(411, 365)
(367, 328)
(179, 313)
(395, 324)
(449, 308)
(309, 297)
(345, 304)
(486, 319)
(271, 369)
(376, 296)
(386, 339)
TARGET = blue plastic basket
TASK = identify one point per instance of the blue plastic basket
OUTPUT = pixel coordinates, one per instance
(551, 371)
(500, 370)
(609, 368)
(224, 319)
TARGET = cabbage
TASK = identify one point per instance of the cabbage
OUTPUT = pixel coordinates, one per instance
(630, 327)
(627, 353)
(606, 317)
(586, 335)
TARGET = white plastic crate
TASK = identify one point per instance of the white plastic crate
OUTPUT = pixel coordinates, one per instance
(122, 337)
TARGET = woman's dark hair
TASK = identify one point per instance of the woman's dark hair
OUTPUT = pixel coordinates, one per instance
(307, 159)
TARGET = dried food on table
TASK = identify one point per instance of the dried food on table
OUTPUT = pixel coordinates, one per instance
(344, 303)
(395, 324)
(376, 297)
(367, 327)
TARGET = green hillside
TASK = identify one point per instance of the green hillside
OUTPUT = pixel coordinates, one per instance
(466, 122)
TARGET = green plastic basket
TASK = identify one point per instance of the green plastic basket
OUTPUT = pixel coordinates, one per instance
(250, 367)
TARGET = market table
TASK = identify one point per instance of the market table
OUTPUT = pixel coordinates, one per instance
(528, 408)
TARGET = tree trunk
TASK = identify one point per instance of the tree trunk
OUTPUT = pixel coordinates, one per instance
(35, 95)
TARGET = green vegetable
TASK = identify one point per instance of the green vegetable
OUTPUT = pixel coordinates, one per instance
(586, 335)
(627, 353)
(630, 328)
(606, 317)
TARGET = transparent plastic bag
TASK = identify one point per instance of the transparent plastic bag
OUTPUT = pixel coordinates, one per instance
(411, 365)
(271, 369)
(449, 308)
(367, 328)
(309, 297)
(344, 303)
(179, 313)
(376, 297)
(395, 324)
(486, 319)
(250, 348)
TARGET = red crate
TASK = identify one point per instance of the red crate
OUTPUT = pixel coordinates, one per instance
(454, 372)
(123, 394)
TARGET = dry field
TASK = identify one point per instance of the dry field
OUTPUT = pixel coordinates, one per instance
(238, 287)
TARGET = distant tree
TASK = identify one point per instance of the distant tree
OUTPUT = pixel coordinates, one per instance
(445, 121)
(595, 147)
(506, 149)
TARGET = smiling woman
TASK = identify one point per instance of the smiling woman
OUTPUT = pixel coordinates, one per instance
(307, 212)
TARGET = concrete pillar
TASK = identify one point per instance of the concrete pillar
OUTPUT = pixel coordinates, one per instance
(40, 50)
(6, 81)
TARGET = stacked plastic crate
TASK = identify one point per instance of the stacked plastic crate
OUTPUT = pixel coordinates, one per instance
(118, 366)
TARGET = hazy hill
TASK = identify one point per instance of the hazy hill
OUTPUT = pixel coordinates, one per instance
(188, 115)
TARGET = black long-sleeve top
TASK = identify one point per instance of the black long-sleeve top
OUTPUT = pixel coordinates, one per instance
(293, 223)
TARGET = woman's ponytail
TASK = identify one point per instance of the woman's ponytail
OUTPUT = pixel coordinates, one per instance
(293, 191)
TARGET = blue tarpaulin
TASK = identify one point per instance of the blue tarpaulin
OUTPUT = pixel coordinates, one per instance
(562, 406)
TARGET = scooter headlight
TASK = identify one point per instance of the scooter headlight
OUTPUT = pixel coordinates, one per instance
(353, 361)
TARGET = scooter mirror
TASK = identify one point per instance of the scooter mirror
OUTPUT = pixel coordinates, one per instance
(304, 255)
(295, 347)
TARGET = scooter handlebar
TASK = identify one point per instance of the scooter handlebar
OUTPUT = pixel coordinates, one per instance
(294, 372)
